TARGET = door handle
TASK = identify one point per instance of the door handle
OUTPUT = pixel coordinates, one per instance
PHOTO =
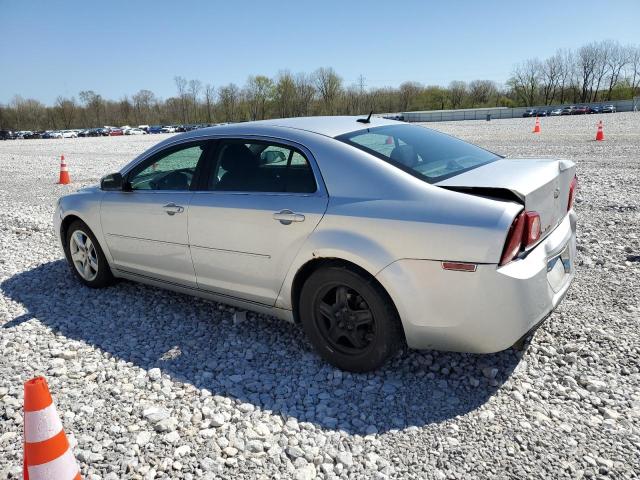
(285, 217)
(172, 208)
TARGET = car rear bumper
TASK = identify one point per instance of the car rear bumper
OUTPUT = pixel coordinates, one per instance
(487, 310)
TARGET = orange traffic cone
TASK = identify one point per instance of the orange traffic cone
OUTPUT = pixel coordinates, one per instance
(47, 453)
(64, 172)
(536, 129)
(600, 132)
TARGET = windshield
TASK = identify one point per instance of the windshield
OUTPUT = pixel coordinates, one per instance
(426, 154)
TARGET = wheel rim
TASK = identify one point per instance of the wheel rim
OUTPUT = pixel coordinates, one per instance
(344, 319)
(83, 255)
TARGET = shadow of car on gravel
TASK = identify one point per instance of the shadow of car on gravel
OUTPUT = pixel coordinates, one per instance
(261, 360)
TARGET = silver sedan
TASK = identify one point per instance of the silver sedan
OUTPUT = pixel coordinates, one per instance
(370, 233)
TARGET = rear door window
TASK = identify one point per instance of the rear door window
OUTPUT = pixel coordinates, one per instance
(241, 166)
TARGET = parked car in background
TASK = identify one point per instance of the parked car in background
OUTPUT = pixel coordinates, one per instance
(580, 110)
(144, 127)
(568, 110)
(608, 109)
(155, 129)
(169, 129)
(555, 112)
(543, 113)
(33, 135)
(530, 113)
(56, 134)
(594, 109)
(293, 218)
(69, 134)
(116, 132)
(7, 135)
(135, 131)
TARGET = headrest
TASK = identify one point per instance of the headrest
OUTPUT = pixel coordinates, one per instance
(405, 154)
(237, 157)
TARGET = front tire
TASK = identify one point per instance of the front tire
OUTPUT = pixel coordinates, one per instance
(349, 319)
(85, 256)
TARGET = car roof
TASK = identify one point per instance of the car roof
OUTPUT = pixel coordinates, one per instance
(328, 126)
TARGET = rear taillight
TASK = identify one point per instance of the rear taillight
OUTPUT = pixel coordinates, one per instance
(514, 240)
(572, 193)
(532, 228)
(525, 231)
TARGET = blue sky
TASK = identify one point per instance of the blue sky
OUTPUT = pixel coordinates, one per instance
(119, 47)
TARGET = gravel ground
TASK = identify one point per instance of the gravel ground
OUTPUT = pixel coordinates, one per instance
(152, 384)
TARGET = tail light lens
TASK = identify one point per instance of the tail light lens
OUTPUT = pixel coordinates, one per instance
(525, 231)
(532, 228)
(572, 193)
(514, 240)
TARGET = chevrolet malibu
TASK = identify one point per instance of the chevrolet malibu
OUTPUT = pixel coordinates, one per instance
(370, 233)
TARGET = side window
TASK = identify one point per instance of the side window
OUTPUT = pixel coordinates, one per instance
(260, 167)
(172, 169)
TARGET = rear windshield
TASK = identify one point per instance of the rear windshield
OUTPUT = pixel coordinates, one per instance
(426, 154)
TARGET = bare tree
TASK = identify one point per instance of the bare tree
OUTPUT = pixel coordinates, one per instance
(634, 68)
(194, 90)
(566, 62)
(408, 92)
(457, 93)
(65, 109)
(285, 94)
(181, 86)
(619, 57)
(482, 91)
(229, 99)
(550, 78)
(604, 50)
(142, 106)
(305, 91)
(329, 86)
(209, 99)
(525, 81)
(587, 63)
(259, 91)
(125, 111)
(93, 102)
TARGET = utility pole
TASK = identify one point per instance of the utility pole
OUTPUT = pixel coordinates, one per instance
(361, 87)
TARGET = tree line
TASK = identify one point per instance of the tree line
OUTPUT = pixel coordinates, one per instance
(598, 71)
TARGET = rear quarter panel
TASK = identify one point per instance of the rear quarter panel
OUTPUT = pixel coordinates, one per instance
(378, 214)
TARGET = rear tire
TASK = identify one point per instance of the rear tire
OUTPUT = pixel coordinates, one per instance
(349, 319)
(85, 256)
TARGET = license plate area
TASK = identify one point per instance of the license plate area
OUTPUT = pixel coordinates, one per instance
(559, 268)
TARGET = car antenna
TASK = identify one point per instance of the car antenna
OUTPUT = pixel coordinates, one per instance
(366, 120)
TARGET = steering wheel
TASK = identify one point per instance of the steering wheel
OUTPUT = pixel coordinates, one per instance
(175, 180)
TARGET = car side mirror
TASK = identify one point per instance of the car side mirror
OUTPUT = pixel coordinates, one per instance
(113, 181)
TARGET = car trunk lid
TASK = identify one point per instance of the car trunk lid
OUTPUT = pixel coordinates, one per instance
(541, 185)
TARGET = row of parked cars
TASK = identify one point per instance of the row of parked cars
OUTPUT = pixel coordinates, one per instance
(105, 131)
(569, 110)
